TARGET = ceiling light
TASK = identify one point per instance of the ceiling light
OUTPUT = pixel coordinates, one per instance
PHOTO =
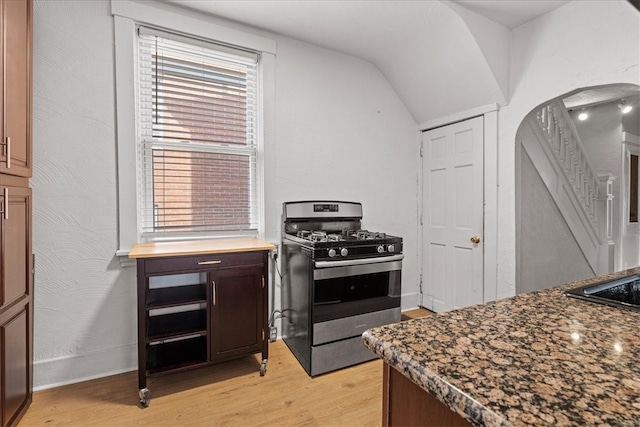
(624, 107)
(583, 116)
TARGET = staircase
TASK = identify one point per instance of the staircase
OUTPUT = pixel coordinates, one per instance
(560, 158)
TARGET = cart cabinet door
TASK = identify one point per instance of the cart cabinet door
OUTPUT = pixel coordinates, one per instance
(236, 311)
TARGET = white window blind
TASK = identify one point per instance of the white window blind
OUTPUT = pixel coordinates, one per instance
(197, 109)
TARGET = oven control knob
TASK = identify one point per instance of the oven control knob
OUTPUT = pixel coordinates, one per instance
(391, 248)
(344, 252)
(380, 249)
(332, 253)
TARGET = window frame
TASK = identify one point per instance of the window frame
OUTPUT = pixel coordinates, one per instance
(127, 16)
(630, 146)
(190, 54)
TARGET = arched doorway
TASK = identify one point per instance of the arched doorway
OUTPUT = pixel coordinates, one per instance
(574, 187)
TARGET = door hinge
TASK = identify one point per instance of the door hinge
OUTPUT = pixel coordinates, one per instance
(421, 150)
(263, 335)
(262, 282)
(421, 220)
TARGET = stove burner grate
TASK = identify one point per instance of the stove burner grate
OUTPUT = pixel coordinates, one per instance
(303, 234)
(369, 235)
(323, 236)
(318, 236)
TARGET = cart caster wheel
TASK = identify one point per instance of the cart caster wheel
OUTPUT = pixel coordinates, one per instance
(145, 397)
(263, 368)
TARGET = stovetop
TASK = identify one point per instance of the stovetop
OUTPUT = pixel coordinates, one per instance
(348, 244)
(333, 230)
(621, 293)
(341, 236)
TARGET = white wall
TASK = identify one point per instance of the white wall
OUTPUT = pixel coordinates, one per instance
(631, 121)
(579, 44)
(85, 322)
(601, 137)
(549, 254)
(341, 132)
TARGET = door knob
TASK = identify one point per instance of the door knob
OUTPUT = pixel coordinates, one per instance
(475, 240)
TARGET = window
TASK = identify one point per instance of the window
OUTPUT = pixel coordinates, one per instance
(197, 126)
(135, 168)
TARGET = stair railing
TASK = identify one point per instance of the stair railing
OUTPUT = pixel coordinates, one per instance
(562, 137)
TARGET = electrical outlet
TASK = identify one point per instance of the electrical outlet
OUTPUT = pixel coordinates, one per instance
(273, 334)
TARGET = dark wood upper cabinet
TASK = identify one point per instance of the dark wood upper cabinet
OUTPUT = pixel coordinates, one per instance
(15, 102)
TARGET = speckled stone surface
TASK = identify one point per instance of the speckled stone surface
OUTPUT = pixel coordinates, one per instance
(539, 358)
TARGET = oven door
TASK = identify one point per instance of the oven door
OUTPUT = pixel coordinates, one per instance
(351, 287)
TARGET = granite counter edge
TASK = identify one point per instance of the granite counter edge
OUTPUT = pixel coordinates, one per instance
(454, 398)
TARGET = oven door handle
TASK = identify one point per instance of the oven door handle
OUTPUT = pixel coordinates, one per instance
(363, 261)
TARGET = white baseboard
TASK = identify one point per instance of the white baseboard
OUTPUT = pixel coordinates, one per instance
(409, 301)
(74, 369)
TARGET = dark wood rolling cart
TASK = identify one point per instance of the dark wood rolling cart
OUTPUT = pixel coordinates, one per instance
(199, 303)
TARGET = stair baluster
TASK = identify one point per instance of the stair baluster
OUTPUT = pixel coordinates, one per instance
(556, 124)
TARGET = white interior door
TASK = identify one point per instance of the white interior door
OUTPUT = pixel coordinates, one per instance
(452, 197)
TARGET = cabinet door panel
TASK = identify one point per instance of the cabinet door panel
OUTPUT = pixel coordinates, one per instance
(15, 358)
(15, 234)
(237, 312)
(17, 95)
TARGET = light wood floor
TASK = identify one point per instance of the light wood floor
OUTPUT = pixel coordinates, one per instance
(416, 313)
(230, 394)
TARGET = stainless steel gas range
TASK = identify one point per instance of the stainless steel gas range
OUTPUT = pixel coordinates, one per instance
(337, 281)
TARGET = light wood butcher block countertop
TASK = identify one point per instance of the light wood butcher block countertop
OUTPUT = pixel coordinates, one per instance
(199, 247)
(539, 358)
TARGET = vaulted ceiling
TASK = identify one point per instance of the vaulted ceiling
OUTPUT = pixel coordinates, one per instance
(441, 57)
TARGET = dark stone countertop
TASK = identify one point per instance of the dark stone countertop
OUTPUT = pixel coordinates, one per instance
(539, 358)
